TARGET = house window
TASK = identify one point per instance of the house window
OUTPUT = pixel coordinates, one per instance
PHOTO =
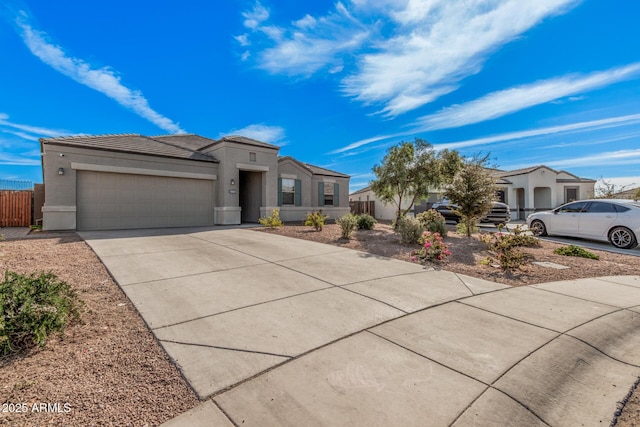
(501, 196)
(252, 157)
(288, 191)
(328, 194)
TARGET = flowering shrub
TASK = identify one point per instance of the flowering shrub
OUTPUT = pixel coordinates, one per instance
(433, 248)
(503, 247)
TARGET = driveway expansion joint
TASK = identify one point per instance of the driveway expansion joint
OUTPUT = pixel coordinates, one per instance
(226, 348)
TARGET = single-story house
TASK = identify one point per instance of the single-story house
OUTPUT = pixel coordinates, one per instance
(388, 211)
(525, 191)
(540, 188)
(129, 181)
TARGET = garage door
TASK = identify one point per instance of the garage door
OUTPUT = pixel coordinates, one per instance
(112, 201)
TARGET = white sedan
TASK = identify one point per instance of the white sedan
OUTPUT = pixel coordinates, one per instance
(613, 220)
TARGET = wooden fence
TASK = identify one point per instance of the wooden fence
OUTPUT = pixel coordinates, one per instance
(15, 208)
(358, 207)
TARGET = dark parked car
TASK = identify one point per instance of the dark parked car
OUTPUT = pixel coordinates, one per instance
(499, 213)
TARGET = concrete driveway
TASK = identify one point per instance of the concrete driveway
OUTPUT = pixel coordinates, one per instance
(275, 331)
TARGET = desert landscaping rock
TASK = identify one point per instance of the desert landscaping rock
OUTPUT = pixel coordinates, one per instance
(109, 368)
(547, 264)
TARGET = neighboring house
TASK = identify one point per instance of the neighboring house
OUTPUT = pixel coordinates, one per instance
(133, 181)
(540, 188)
(385, 211)
(524, 190)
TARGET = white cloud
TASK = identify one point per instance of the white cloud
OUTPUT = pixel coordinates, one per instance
(35, 130)
(11, 159)
(366, 141)
(254, 17)
(22, 135)
(306, 23)
(610, 122)
(308, 44)
(627, 120)
(270, 134)
(501, 103)
(402, 54)
(618, 157)
(103, 80)
(243, 39)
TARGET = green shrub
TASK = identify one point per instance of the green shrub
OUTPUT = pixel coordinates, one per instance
(366, 222)
(573, 250)
(433, 221)
(32, 308)
(272, 220)
(461, 228)
(503, 246)
(316, 219)
(347, 223)
(409, 229)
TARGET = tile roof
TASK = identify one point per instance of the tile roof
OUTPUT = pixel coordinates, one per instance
(522, 171)
(247, 141)
(362, 190)
(187, 140)
(316, 170)
(131, 143)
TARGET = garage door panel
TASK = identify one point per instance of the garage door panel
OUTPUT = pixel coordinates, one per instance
(121, 201)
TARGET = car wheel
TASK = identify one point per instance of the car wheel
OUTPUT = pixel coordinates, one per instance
(538, 228)
(623, 238)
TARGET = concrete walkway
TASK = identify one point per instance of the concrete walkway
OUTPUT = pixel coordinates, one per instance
(273, 331)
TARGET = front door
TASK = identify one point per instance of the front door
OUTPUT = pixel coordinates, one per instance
(250, 195)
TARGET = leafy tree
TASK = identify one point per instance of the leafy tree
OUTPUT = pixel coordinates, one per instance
(409, 170)
(473, 189)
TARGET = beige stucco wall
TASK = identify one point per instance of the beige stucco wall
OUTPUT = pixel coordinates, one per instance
(542, 178)
(233, 158)
(287, 168)
(59, 210)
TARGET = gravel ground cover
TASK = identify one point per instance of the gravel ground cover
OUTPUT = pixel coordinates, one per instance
(107, 370)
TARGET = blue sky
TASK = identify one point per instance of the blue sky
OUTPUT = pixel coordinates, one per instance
(554, 82)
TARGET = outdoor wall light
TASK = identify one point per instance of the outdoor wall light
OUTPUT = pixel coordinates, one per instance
(233, 181)
(60, 171)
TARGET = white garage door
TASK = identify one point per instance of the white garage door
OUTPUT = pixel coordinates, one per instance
(113, 201)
